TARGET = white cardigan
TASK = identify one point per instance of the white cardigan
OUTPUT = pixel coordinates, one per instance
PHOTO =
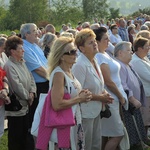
(89, 79)
(142, 67)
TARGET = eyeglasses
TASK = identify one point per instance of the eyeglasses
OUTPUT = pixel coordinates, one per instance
(115, 28)
(71, 52)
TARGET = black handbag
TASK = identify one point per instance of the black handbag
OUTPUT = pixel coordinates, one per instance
(14, 105)
(105, 113)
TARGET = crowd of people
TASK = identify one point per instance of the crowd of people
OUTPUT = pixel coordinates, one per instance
(85, 70)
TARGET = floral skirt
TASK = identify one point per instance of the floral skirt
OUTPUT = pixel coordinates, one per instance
(80, 139)
(146, 112)
(131, 129)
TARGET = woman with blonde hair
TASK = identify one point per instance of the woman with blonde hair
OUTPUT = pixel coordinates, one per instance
(60, 61)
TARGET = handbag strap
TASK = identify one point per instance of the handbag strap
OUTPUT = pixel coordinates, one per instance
(58, 69)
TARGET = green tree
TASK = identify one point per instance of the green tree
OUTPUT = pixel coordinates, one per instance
(95, 8)
(64, 11)
(114, 13)
(143, 11)
(22, 11)
(3, 13)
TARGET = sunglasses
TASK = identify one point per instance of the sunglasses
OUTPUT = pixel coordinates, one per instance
(71, 52)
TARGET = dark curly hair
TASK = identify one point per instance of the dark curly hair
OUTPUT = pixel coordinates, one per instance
(12, 43)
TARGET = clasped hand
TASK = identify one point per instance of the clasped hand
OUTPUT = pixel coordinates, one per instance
(107, 98)
(85, 95)
(4, 97)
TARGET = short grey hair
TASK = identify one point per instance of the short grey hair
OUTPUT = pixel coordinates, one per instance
(144, 27)
(2, 41)
(121, 46)
(26, 28)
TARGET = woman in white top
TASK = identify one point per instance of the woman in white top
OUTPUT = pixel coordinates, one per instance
(114, 37)
(60, 61)
(141, 65)
(88, 73)
(111, 127)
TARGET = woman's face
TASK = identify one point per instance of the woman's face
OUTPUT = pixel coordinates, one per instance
(146, 48)
(126, 54)
(103, 43)
(115, 30)
(90, 47)
(19, 52)
(70, 54)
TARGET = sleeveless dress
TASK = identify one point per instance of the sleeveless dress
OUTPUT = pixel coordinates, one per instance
(113, 126)
(73, 87)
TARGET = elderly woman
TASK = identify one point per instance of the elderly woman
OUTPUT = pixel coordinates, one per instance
(60, 61)
(145, 34)
(22, 84)
(48, 40)
(132, 84)
(87, 71)
(141, 65)
(114, 37)
(113, 126)
(3, 84)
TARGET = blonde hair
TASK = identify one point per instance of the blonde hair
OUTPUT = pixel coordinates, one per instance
(143, 33)
(66, 34)
(57, 51)
(82, 36)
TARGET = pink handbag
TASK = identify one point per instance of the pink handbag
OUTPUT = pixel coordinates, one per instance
(59, 118)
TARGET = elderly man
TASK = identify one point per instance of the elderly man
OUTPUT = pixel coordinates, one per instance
(35, 61)
(122, 31)
(34, 57)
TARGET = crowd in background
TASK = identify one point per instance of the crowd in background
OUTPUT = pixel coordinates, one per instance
(100, 63)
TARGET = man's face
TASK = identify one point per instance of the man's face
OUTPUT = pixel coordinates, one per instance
(33, 35)
(122, 23)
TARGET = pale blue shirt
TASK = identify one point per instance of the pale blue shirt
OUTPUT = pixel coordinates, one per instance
(34, 58)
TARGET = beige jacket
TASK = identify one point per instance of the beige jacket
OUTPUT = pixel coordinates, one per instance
(22, 83)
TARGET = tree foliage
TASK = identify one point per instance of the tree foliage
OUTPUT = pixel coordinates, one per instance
(95, 8)
(114, 13)
(3, 13)
(143, 11)
(56, 12)
(22, 11)
(64, 11)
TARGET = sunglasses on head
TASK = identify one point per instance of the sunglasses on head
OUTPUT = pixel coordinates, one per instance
(71, 52)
